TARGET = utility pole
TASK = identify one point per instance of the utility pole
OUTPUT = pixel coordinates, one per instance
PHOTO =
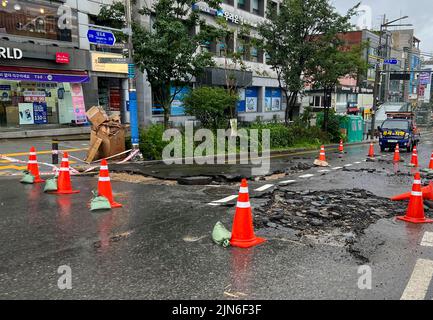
(133, 112)
(378, 76)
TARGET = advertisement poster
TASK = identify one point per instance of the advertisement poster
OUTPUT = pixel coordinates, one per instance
(241, 102)
(34, 96)
(268, 103)
(251, 98)
(78, 104)
(272, 99)
(26, 113)
(40, 113)
(177, 107)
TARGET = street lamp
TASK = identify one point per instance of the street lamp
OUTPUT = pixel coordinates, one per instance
(378, 71)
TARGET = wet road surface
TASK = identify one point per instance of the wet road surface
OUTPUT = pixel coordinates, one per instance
(158, 246)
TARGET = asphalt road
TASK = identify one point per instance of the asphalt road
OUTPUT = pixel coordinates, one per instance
(158, 246)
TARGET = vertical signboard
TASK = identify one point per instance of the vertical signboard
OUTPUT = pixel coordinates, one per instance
(78, 104)
(40, 112)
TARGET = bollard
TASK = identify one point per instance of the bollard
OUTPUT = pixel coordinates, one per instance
(55, 151)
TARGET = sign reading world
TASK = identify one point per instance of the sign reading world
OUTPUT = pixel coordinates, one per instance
(101, 37)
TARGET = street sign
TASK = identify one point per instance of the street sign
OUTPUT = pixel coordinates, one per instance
(399, 76)
(390, 61)
(101, 37)
(131, 71)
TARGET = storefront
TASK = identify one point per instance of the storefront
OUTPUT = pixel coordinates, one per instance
(38, 88)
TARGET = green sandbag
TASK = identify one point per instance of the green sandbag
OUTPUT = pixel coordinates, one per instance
(50, 185)
(221, 235)
(99, 202)
(28, 178)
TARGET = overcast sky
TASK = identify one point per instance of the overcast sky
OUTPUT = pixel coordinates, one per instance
(420, 14)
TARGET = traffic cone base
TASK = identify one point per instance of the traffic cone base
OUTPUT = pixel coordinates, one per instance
(243, 229)
(414, 220)
(65, 192)
(247, 243)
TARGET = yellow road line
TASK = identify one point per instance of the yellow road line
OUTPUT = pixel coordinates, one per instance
(13, 167)
(41, 152)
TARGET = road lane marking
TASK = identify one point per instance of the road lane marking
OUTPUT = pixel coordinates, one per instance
(42, 152)
(305, 176)
(337, 168)
(357, 162)
(427, 239)
(224, 200)
(263, 188)
(324, 170)
(287, 181)
(348, 165)
(419, 282)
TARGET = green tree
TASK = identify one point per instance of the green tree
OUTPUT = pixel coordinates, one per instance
(292, 37)
(332, 62)
(210, 105)
(170, 52)
(113, 16)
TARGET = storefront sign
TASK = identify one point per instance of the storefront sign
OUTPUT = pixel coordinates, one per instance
(62, 57)
(43, 77)
(40, 113)
(103, 62)
(11, 53)
(34, 96)
(229, 16)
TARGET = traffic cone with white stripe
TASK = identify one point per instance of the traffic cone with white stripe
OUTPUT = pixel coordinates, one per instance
(64, 185)
(243, 230)
(371, 151)
(415, 210)
(427, 194)
(430, 166)
(414, 160)
(33, 167)
(104, 185)
(322, 158)
(341, 147)
(397, 153)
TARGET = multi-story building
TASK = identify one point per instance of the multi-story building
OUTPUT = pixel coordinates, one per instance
(353, 94)
(50, 73)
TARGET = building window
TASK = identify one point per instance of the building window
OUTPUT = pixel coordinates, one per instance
(258, 7)
(229, 2)
(242, 4)
(36, 20)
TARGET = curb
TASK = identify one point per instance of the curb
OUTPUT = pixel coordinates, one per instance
(44, 133)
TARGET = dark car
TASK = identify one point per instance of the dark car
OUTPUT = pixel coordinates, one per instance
(398, 130)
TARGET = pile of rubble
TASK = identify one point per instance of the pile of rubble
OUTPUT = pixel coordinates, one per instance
(340, 214)
(107, 137)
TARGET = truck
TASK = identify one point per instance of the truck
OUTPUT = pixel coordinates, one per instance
(399, 128)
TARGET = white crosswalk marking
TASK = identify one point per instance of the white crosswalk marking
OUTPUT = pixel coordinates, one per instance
(419, 282)
(427, 240)
(305, 176)
(263, 188)
(287, 181)
(226, 199)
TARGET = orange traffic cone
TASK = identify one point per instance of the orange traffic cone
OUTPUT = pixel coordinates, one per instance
(415, 210)
(397, 153)
(243, 230)
(371, 151)
(430, 166)
(104, 184)
(341, 147)
(414, 160)
(64, 185)
(427, 194)
(322, 155)
(33, 167)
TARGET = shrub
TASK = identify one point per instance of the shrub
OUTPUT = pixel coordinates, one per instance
(151, 143)
(210, 105)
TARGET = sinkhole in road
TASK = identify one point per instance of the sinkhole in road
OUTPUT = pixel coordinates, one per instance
(336, 217)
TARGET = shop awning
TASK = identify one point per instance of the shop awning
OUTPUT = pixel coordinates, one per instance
(13, 73)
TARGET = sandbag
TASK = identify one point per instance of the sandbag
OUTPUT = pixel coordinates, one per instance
(28, 178)
(99, 202)
(220, 235)
(50, 185)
